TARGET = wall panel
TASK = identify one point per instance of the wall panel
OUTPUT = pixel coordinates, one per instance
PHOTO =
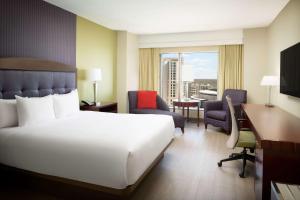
(34, 28)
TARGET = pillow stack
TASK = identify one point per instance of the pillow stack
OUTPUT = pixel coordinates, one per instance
(34, 110)
(66, 104)
(24, 111)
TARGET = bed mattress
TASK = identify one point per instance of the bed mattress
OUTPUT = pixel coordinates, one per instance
(106, 149)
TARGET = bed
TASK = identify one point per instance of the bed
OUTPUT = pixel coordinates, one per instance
(106, 152)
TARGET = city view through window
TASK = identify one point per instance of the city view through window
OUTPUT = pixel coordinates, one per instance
(189, 76)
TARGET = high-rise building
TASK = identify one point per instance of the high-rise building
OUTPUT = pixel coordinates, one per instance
(172, 66)
(194, 89)
(185, 89)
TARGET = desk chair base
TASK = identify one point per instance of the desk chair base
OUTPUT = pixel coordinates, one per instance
(237, 156)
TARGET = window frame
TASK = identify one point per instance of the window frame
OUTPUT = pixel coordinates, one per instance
(180, 53)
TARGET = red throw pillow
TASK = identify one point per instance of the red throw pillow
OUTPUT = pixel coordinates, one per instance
(146, 99)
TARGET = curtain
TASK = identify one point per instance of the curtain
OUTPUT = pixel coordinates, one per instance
(149, 61)
(230, 68)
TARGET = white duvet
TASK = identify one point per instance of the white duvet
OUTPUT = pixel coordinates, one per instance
(106, 149)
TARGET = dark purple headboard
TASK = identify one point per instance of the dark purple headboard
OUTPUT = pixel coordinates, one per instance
(34, 78)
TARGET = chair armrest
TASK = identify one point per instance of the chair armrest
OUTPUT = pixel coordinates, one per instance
(237, 110)
(161, 104)
(213, 105)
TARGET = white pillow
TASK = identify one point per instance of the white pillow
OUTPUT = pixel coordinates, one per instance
(66, 104)
(34, 110)
(8, 113)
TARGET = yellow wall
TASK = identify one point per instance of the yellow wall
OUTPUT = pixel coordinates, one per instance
(96, 46)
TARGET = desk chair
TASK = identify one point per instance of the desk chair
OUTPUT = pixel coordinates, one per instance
(239, 138)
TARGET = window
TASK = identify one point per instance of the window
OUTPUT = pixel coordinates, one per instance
(189, 76)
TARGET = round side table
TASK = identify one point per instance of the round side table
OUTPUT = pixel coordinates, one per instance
(187, 104)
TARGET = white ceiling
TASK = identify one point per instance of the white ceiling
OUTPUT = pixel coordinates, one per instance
(173, 16)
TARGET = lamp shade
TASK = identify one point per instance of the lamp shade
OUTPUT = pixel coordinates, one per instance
(94, 74)
(270, 81)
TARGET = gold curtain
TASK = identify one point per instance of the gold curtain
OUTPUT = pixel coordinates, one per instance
(149, 59)
(230, 68)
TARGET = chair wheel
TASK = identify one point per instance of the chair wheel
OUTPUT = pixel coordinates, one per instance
(219, 164)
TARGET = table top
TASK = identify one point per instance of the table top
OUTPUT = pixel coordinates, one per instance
(273, 123)
(105, 104)
(183, 100)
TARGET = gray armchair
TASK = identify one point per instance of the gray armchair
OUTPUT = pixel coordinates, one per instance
(162, 109)
(217, 113)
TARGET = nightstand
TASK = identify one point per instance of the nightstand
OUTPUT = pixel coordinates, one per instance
(104, 107)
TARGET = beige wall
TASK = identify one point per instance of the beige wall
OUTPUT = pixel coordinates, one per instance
(203, 38)
(283, 33)
(132, 62)
(262, 56)
(255, 63)
(122, 71)
(127, 68)
(96, 46)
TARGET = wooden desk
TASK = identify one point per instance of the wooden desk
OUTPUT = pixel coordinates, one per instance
(278, 147)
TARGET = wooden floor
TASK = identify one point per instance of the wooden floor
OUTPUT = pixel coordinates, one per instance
(188, 171)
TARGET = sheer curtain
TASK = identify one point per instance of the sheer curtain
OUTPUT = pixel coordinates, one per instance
(149, 61)
(230, 68)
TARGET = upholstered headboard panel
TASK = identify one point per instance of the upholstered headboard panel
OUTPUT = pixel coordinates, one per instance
(34, 78)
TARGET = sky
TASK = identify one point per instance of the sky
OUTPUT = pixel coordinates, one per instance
(199, 65)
